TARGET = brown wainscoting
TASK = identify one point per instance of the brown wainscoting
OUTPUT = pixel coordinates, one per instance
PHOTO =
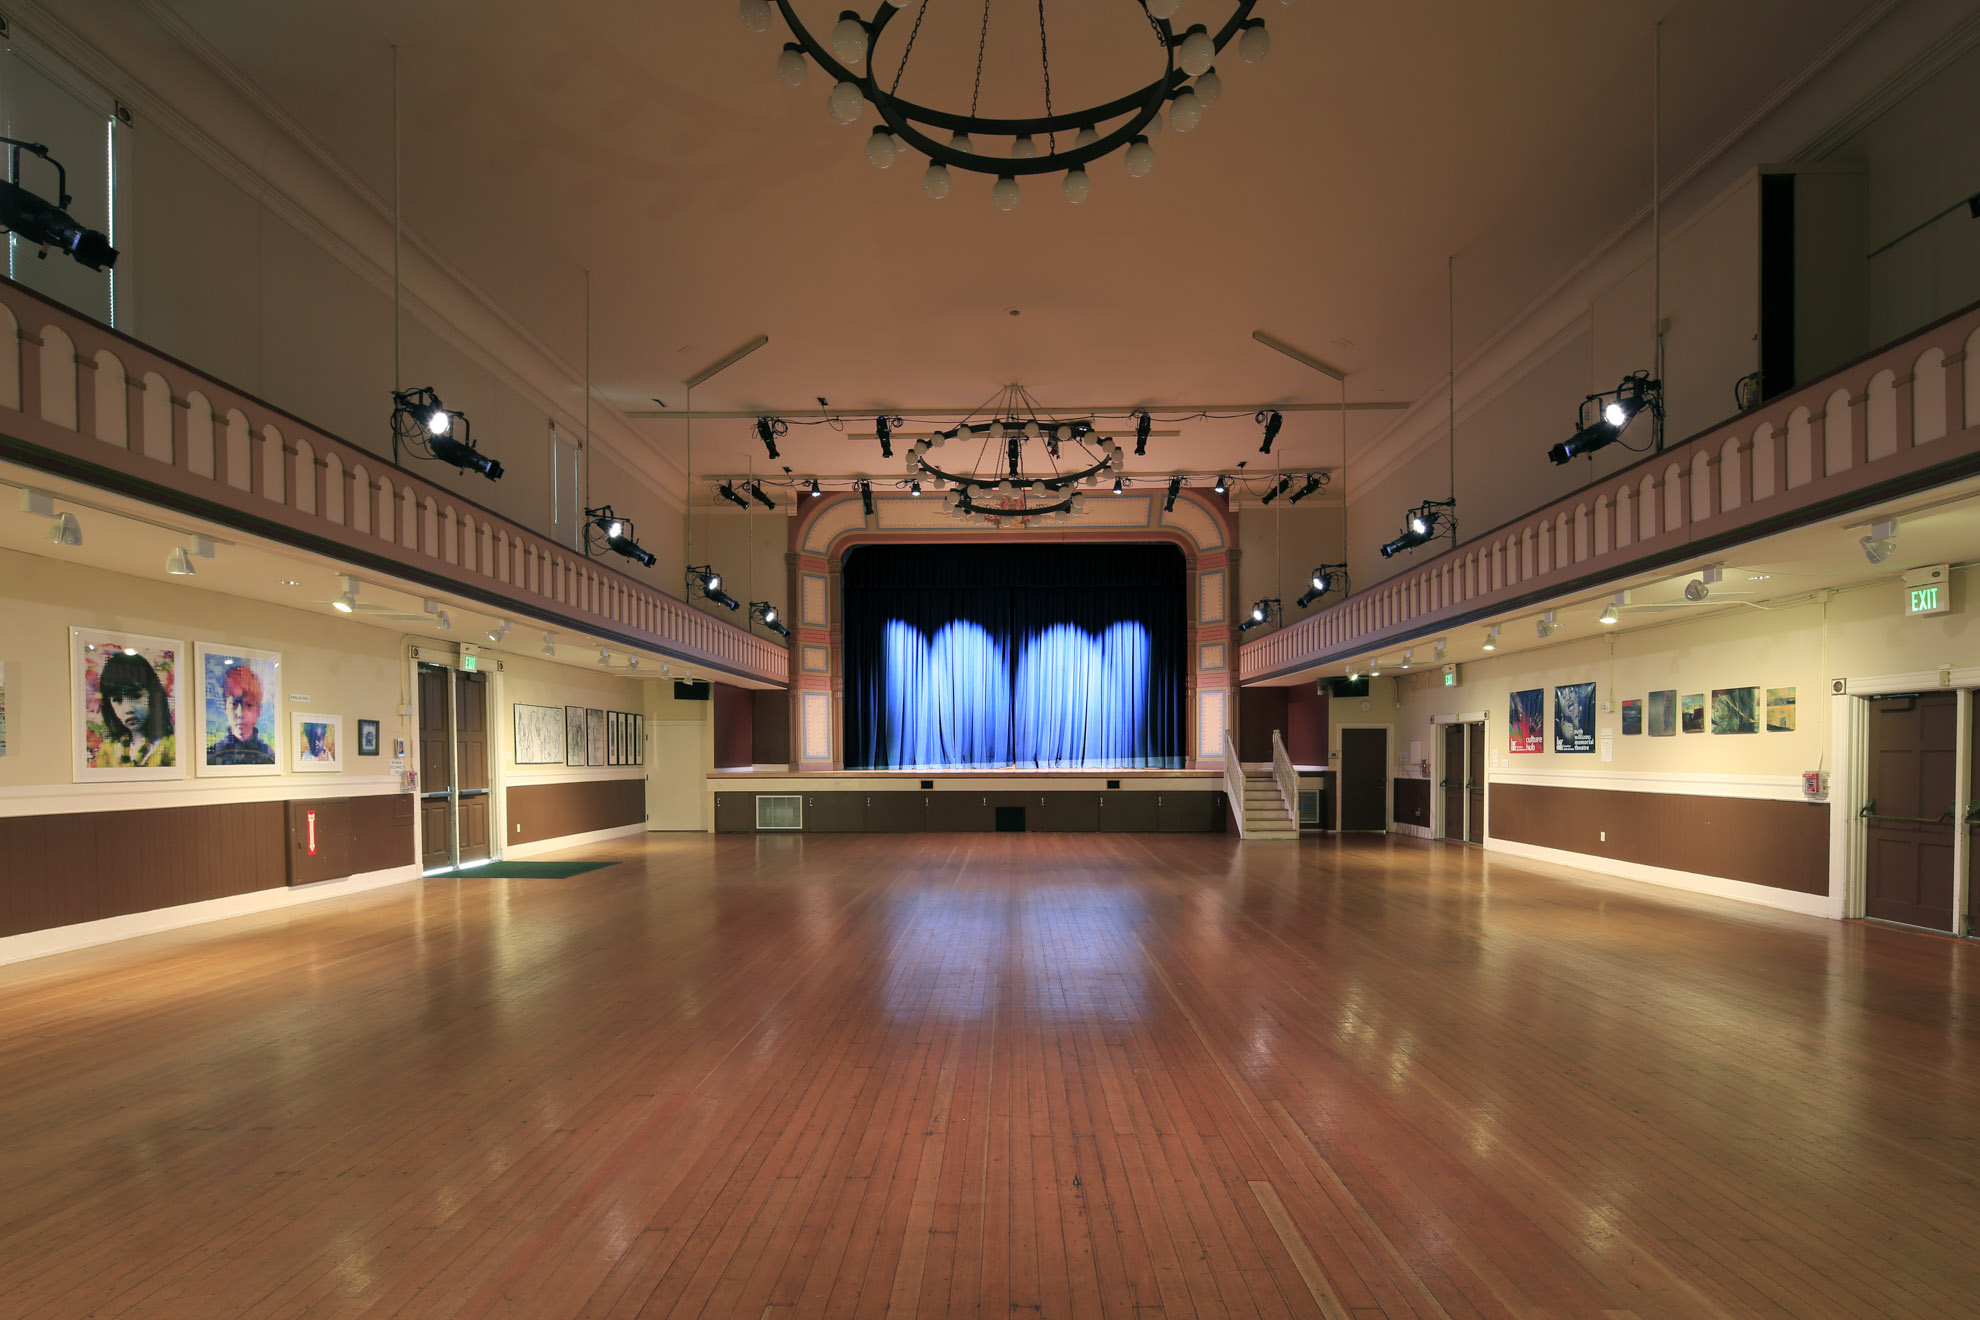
(1413, 802)
(551, 811)
(354, 836)
(1113, 811)
(1783, 845)
(59, 870)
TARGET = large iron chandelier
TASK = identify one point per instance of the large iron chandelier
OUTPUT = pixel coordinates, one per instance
(1188, 84)
(1025, 466)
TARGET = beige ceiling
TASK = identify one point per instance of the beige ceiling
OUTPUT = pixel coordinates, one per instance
(653, 144)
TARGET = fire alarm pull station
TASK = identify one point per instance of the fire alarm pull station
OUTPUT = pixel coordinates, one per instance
(1815, 783)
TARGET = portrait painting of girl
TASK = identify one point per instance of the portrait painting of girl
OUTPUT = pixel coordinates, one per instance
(127, 706)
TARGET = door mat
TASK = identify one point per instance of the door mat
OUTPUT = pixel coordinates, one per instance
(519, 871)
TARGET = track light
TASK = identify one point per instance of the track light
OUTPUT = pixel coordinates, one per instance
(866, 497)
(1262, 611)
(1407, 656)
(707, 582)
(1273, 492)
(1272, 421)
(1143, 423)
(441, 620)
(1314, 481)
(1169, 500)
(883, 428)
(346, 603)
(763, 612)
(728, 492)
(1428, 520)
(768, 429)
(632, 662)
(499, 631)
(37, 220)
(1326, 578)
(755, 489)
(1492, 638)
(1608, 615)
(1636, 393)
(617, 534)
(177, 563)
(1223, 486)
(604, 656)
(1880, 545)
(1700, 587)
(550, 644)
(1612, 612)
(1546, 626)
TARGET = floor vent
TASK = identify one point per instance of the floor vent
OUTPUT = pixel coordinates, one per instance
(782, 812)
(1309, 806)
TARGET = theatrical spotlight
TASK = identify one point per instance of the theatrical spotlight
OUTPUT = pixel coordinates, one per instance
(1326, 578)
(1636, 393)
(1169, 500)
(424, 425)
(1427, 521)
(763, 612)
(705, 581)
(755, 490)
(1271, 421)
(1273, 493)
(866, 497)
(728, 492)
(1261, 612)
(1143, 424)
(883, 429)
(45, 223)
(1314, 481)
(1223, 486)
(617, 534)
(815, 492)
(768, 429)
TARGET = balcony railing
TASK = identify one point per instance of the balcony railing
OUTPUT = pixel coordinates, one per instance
(79, 399)
(1904, 418)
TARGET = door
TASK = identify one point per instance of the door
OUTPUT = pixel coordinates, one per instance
(1908, 810)
(1972, 815)
(436, 771)
(1474, 782)
(1364, 779)
(1453, 782)
(471, 796)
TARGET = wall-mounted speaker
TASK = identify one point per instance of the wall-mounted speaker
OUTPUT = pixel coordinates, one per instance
(691, 689)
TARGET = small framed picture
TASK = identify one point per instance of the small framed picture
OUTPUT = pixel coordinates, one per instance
(316, 744)
(367, 737)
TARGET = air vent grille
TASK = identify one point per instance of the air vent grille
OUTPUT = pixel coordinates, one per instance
(782, 812)
(1309, 806)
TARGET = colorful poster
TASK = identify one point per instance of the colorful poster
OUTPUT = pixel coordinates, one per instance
(129, 705)
(1780, 710)
(240, 707)
(1691, 712)
(1527, 715)
(1632, 717)
(319, 742)
(1663, 713)
(1574, 717)
(1735, 710)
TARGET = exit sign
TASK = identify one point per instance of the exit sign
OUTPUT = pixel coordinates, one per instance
(1450, 675)
(1927, 591)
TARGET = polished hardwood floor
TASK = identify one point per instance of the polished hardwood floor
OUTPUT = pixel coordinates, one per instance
(999, 1075)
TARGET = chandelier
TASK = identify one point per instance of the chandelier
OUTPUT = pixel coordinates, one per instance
(1187, 85)
(1025, 466)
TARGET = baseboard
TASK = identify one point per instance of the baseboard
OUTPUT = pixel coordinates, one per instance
(86, 934)
(1414, 831)
(517, 852)
(1787, 900)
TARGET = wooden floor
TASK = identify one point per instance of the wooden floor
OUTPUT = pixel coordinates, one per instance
(998, 1075)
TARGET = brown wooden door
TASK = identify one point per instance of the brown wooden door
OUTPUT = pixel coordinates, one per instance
(472, 807)
(1908, 811)
(436, 775)
(1452, 784)
(1364, 779)
(1971, 813)
(1474, 782)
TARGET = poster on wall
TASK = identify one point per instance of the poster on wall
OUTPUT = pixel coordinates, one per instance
(594, 727)
(1691, 712)
(1780, 710)
(318, 746)
(539, 735)
(1663, 714)
(1574, 717)
(1527, 715)
(577, 742)
(1632, 717)
(240, 708)
(129, 704)
(1735, 710)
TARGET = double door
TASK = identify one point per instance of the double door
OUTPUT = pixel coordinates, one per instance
(455, 804)
(1462, 784)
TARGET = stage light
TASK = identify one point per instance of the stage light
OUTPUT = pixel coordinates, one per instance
(1223, 486)
(1492, 638)
(1273, 493)
(1314, 481)
(763, 612)
(1262, 611)
(37, 220)
(465, 457)
(755, 489)
(1118, 483)
(728, 492)
(866, 497)
(425, 426)
(1636, 393)
(815, 492)
(617, 533)
(1169, 500)
(1546, 626)
(1880, 544)
(767, 430)
(705, 581)
(1326, 578)
(1272, 421)
(883, 429)
(1143, 424)
(1427, 520)
(347, 602)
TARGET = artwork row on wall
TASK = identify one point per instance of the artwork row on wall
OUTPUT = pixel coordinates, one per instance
(129, 695)
(1731, 710)
(578, 735)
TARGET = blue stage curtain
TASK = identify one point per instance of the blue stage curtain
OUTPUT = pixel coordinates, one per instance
(1049, 656)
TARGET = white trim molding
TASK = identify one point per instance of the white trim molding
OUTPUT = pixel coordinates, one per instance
(69, 799)
(1771, 788)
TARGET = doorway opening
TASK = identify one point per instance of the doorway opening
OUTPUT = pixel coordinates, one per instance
(455, 805)
(1364, 790)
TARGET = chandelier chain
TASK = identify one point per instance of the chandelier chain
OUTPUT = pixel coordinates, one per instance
(1045, 58)
(982, 40)
(908, 50)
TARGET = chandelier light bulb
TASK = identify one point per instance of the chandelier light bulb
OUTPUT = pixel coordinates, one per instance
(1210, 88)
(1005, 193)
(1077, 187)
(1024, 148)
(1064, 434)
(1140, 159)
(1255, 44)
(935, 180)
(849, 40)
(881, 148)
(846, 104)
(1196, 52)
(1087, 137)
(756, 15)
(1186, 111)
(1031, 428)
(1164, 9)
(996, 430)
(791, 66)
(960, 142)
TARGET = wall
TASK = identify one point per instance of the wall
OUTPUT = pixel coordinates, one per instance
(1281, 546)
(749, 550)
(735, 737)
(680, 751)
(556, 801)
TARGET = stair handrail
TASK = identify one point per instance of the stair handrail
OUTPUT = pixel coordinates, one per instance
(1287, 777)
(1233, 781)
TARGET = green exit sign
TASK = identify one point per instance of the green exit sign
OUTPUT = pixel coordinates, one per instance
(1450, 675)
(1927, 591)
(470, 663)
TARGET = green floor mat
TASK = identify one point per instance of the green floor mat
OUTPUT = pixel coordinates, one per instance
(518, 871)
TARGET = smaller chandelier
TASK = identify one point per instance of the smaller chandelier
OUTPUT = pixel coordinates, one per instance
(1187, 85)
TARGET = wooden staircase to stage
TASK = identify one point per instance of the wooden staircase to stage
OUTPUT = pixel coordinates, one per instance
(1264, 807)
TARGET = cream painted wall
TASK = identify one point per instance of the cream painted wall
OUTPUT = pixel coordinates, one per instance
(680, 753)
(749, 550)
(537, 681)
(1281, 548)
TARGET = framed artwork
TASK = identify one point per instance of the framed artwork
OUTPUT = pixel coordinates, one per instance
(594, 728)
(367, 737)
(1574, 717)
(318, 742)
(128, 695)
(3, 707)
(1528, 720)
(1691, 712)
(539, 735)
(1780, 711)
(1663, 713)
(639, 739)
(1735, 710)
(1632, 717)
(577, 743)
(611, 737)
(240, 711)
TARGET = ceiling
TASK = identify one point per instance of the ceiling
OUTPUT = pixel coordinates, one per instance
(654, 146)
